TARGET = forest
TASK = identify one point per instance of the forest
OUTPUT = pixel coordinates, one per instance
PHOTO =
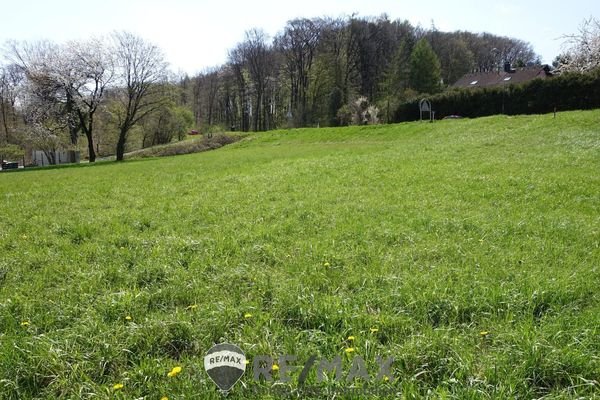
(323, 72)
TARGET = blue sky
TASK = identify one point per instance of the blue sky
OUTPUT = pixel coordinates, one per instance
(196, 34)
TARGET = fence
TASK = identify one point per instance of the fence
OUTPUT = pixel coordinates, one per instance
(41, 158)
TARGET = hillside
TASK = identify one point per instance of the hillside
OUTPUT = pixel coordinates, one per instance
(468, 250)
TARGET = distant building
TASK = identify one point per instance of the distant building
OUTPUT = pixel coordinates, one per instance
(44, 158)
(508, 76)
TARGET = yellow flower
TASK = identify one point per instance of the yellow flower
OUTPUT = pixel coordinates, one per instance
(350, 338)
(128, 318)
(174, 372)
(118, 386)
(349, 350)
(326, 264)
(275, 367)
(25, 323)
(24, 237)
(484, 333)
(164, 398)
(386, 378)
(247, 315)
(246, 362)
(192, 307)
(374, 330)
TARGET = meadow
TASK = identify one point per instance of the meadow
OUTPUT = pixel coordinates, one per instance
(467, 250)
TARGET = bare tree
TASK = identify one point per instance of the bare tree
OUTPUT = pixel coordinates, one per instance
(489, 52)
(256, 54)
(298, 43)
(231, 96)
(237, 66)
(142, 70)
(212, 79)
(206, 90)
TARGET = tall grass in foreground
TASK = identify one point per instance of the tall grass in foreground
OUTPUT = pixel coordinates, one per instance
(467, 250)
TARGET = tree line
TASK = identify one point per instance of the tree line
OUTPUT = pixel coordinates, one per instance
(322, 71)
(118, 94)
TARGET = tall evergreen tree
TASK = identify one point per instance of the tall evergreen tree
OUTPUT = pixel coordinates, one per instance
(425, 70)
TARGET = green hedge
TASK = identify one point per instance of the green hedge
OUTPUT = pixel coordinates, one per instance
(569, 91)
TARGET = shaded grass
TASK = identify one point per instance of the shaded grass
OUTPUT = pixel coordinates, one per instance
(429, 233)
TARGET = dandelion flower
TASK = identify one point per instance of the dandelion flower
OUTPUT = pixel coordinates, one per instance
(25, 323)
(326, 264)
(164, 398)
(246, 361)
(349, 350)
(118, 386)
(275, 367)
(351, 338)
(128, 318)
(386, 378)
(174, 372)
(374, 330)
(484, 333)
(247, 315)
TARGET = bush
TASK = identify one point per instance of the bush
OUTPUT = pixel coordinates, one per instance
(569, 91)
(358, 112)
(11, 152)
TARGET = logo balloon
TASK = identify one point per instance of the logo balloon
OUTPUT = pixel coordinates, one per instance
(225, 364)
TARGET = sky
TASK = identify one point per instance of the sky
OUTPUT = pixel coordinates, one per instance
(197, 34)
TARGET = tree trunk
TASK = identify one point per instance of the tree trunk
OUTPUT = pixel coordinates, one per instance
(51, 156)
(91, 150)
(87, 129)
(257, 111)
(121, 144)
(3, 109)
(73, 128)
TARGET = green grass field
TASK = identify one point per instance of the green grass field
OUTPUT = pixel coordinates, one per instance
(468, 250)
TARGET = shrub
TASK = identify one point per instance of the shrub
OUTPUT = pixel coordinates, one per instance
(11, 152)
(569, 91)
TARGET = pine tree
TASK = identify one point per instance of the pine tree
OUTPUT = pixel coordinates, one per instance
(425, 70)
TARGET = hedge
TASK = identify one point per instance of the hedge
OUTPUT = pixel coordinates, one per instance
(569, 91)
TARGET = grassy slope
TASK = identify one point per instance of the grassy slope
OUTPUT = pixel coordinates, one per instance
(430, 233)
